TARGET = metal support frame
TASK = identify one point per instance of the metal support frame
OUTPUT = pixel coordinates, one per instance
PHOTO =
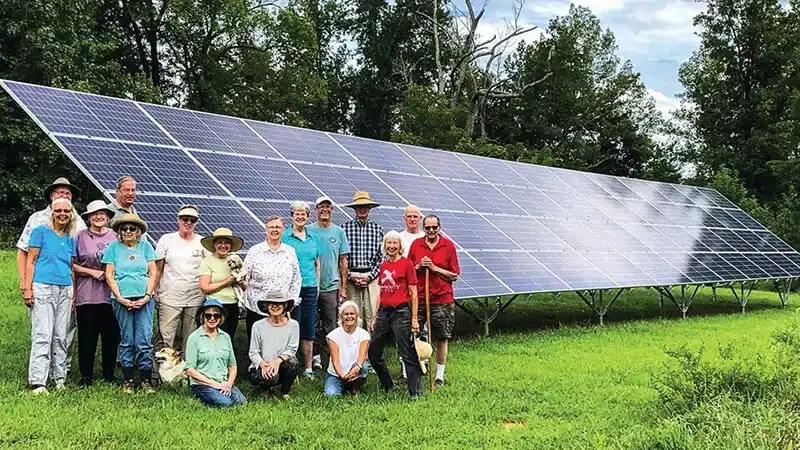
(684, 301)
(714, 291)
(594, 300)
(490, 312)
(744, 293)
(783, 290)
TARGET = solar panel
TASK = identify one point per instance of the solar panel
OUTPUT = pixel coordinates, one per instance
(518, 228)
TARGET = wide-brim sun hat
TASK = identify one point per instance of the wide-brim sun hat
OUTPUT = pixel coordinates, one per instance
(60, 182)
(275, 297)
(129, 218)
(362, 198)
(189, 211)
(95, 206)
(210, 302)
(236, 242)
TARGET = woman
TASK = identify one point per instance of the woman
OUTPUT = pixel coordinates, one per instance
(396, 316)
(308, 248)
(269, 266)
(92, 295)
(348, 352)
(216, 278)
(210, 362)
(273, 364)
(131, 276)
(48, 293)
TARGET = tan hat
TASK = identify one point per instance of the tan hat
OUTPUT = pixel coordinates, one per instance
(188, 211)
(362, 198)
(236, 242)
(97, 205)
(424, 352)
(275, 297)
(132, 219)
(61, 181)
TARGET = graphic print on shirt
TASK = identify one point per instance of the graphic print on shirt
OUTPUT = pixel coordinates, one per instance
(387, 281)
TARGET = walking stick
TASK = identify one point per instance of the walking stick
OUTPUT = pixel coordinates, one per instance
(428, 321)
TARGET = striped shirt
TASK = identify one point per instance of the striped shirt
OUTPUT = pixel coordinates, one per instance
(365, 241)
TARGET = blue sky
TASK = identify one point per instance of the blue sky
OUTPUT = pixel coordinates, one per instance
(657, 36)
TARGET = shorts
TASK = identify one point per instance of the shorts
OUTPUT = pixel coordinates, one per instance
(443, 320)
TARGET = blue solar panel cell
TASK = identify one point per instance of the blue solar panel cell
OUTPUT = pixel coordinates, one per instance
(649, 213)
(475, 280)
(766, 264)
(725, 219)
(441, 164)
(216, 213)
(487, 196)
(528, 233)
(745, 219)
(744, 265)
(107, 161)
(614, 187)
(716, 198)
(186, 128)
(617, 237)
(493, 170)
(580, 182)
(657, 268)
(538, 177)
(685, 239)
(237, 135)
(388, 218)
(733, 240)
(160, 213)
(755, 240)
(695, 196)
(671, 193)
(774, 241)
(615, 210)
(691, 267)
(714, 242)
(721, 267)
(785, 262)
(578, 207)
(284, 180)
(616, 267)
(340, 184)
(473, 232)
(576, 235)
(651, 237)
(297, 144)
(534, 202)
(644, 189)
(680, 214)
(574, 270)
(124, 119)
(425, 192)
(520, 272)
(181, 175)
(380, 155)
(703, 216)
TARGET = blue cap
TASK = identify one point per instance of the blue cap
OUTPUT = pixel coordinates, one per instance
(212, 302)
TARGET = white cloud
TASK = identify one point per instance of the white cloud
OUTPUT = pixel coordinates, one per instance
(664, 103)
(561, 8)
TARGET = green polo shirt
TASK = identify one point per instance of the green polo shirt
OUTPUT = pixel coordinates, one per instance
(307, 250)
(209, 357)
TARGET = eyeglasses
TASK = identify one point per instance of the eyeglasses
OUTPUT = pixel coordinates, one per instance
(128, 229)
(189, 219)
(349, 314)
(432, 228)
(62, 211)
(210, 316)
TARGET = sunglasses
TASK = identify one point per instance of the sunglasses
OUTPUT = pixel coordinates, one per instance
(62, 211)
(129, 229)
(189, 219)
(210, 316)
(432, 228)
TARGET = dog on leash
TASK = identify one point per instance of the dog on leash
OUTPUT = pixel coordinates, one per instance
(237, 272)
(171, 367)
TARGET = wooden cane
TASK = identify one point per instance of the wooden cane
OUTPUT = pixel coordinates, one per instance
(428, 322)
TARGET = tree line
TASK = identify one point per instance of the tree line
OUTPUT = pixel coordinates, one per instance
(420, 72)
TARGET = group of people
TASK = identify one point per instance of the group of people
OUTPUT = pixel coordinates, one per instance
(351, 289)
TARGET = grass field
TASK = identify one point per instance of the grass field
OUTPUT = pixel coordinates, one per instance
(546, 379)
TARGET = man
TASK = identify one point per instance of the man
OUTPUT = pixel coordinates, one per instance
(437, 255)
(60, 188)
(411, 216)
(333, 279)
(178, 257)
(125, 197)
(365, 238)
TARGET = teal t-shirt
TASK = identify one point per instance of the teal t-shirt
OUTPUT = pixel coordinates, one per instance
(54, 264)
(334, 244)
(308, 251)
(130, 266)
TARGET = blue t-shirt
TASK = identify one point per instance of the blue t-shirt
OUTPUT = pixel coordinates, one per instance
(130, 266)
(334, 244)
(307, 253)
(54, 264)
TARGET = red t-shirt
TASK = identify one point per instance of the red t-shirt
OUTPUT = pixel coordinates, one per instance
(443, 255)
(394, 278)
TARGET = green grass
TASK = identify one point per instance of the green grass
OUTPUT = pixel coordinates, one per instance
(547, 378)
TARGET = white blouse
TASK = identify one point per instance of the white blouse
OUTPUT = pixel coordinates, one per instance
(271, 270)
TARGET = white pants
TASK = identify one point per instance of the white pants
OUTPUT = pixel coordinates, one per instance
(51, 317)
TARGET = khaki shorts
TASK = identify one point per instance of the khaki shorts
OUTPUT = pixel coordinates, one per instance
(443, 320)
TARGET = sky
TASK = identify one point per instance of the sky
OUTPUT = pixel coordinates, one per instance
(657, 36)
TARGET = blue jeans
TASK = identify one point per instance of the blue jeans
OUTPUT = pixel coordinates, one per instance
(215, 399)
(136, 335)
(306, 313)
(335, 386)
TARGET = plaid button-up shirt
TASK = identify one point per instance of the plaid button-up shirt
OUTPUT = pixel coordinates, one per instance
(365, 241)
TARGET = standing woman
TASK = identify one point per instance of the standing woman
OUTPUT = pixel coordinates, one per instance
(396, 315)
(131, 276)
(215, 275)
(48, 293)
(92, 295)
(270, 266)
(308, 248)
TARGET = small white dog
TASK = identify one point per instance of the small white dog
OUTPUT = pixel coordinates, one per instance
(170, 366)
(236, 266)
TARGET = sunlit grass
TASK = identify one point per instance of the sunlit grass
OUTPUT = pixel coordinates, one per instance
(549, 377)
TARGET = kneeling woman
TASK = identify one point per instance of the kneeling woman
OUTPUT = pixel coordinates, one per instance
(348, 348)
(273, 346)
(210, 362)
(396, 316)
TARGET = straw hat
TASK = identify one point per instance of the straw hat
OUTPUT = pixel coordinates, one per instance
(424, 352)
(236, 242)
(60, 182)
(275, 297)
(362, 198)
(132, 219)
(97, 205)
(188, 211)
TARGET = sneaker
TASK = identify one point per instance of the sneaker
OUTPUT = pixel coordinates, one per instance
(60, 385)
(127, 386)
(309, 374)
(146, 386)
(316, 363)
(39, 390)
(438, 382)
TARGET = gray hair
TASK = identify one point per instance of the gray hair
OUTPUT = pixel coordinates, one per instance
(392, 235)
(123, 179)
(345, 305)
(299, 205)
(271, 218)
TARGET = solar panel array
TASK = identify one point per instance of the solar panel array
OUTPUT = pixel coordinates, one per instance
(519, 228)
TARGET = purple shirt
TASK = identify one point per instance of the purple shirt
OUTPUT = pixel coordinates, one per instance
(90, 246)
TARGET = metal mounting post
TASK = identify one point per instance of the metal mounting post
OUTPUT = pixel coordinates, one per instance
(490, 312)
(594, 300)
(684, 301)
(743, 295)
(714, 291)
(783, 290)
